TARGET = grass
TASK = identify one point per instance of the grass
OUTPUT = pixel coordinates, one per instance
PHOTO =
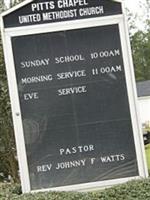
(147, 149)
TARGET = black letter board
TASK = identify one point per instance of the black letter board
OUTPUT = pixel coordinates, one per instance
(76, 121)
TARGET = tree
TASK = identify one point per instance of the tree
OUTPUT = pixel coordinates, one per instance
(15, 2)
(140, 42)
(8, 162)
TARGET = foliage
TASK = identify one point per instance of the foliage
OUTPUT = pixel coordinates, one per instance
(147, 148)
(134, 190)
(15, 2)
(8, 162)
(2, 5)
(140, 42)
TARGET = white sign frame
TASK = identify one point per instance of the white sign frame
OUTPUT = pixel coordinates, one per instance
(16, 112)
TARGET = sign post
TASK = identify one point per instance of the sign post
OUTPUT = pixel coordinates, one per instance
(72, 93)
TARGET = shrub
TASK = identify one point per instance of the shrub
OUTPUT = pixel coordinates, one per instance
(134, 190)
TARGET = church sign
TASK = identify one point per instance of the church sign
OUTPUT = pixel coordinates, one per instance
(72, 93)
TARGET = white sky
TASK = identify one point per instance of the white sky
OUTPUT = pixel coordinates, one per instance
(137, 8)
(133, 5)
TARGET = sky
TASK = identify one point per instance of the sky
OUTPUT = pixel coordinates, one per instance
(137, 8)
(133, 5)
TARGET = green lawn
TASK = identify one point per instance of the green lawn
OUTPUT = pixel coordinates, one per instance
(147, 148)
